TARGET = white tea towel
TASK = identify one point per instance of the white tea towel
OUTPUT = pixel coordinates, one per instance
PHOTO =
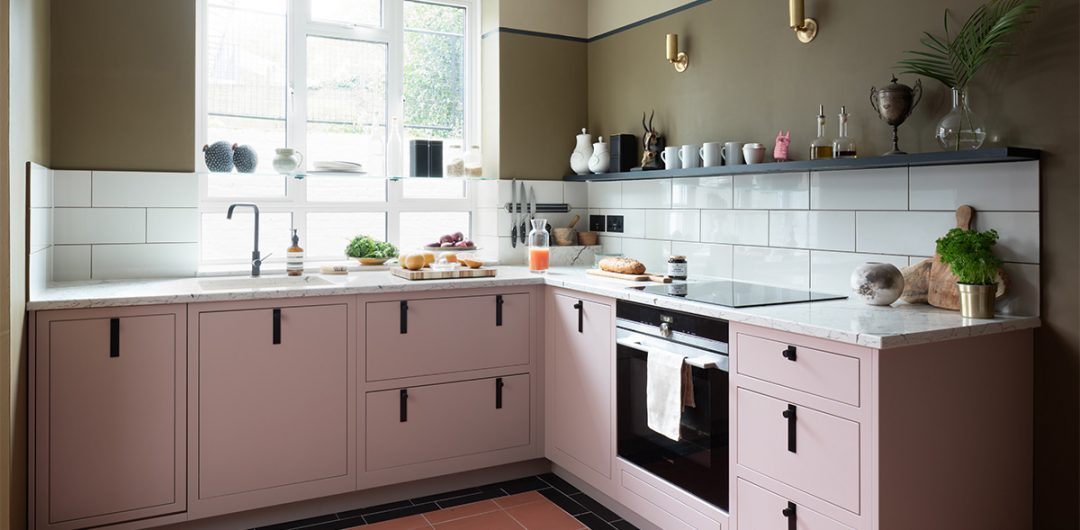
(664, 391)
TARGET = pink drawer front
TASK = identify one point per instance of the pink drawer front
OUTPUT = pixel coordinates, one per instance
(817, 372)
(445, 335)
(825, 462)
(760, 508)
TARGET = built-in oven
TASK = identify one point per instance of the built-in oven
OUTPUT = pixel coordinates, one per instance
(698, 461)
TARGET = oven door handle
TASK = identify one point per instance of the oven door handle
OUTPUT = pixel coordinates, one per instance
(705, 362)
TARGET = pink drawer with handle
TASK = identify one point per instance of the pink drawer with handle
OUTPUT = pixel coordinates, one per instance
(815, 452)
(760, 508)
(817, 372)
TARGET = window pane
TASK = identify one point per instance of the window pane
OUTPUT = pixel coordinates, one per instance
(357, 12)
(345, 189)
(246, 77)
(435, 17)
(329, 233)
(346, 84)
(225, 185)
(423, 228)
(434, 81)
(231, 239)
(433, 189)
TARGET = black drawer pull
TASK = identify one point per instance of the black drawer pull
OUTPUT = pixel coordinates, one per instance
(580, 306)
(498, 309)
(403, 405)
(114, 337)
(790, 414)
(792, 517)
(498, 392)
(277, 325)
(789, 353)
(404, 318)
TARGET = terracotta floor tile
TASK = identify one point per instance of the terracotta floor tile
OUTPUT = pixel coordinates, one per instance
(543, 516)
(489, 521)
(457, 512)
(411, 522)
(519, 499)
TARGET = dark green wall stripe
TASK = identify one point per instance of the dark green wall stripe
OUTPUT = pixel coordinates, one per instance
(632, 25)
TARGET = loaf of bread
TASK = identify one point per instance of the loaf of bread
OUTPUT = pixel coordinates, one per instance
(622, 265)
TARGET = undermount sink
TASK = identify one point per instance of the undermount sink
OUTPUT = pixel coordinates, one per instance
(261, 282)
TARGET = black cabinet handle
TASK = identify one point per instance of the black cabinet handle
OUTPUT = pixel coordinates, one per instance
(277, 325)
(790, 414)
(403, 412)
(498, 309)
(114, 337)
(792, 517)
(789, 353)
(498, 392)
(580, 306)
(404, 318)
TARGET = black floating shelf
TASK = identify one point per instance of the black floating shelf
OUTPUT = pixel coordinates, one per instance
(941, 158)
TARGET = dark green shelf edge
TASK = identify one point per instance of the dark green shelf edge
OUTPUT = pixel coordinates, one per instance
(942, 158)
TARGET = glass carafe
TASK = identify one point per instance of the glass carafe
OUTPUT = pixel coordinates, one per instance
(539, 242)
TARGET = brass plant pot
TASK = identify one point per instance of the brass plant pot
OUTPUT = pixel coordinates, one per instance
(977, 301)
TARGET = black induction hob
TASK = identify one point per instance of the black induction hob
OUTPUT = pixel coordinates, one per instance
(737, 294)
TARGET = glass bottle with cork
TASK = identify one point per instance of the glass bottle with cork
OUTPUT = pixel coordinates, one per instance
(822, 147)
(843, 146)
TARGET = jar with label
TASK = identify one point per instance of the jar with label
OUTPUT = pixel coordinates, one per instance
(677, 267)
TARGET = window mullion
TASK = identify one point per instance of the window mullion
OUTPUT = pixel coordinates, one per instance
(394, 22)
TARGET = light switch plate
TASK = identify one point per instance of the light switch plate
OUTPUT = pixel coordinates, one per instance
(597, 223)
(615, 223)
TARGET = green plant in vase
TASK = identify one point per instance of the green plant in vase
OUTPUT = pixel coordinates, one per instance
(970, 256)
(955, 59)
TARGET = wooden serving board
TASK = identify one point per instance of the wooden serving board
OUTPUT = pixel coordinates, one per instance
(428, 274)
(647, 277)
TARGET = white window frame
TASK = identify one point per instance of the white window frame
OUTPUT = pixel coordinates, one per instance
(295, 201)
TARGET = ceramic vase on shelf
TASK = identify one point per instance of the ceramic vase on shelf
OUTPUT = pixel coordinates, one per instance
(960, 129)
(579, 159)
(600, 161)
(877, 283)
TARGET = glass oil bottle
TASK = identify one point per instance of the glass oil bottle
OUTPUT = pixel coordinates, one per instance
(843, 146)
(821, 147)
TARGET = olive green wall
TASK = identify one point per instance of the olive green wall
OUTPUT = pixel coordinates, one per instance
(749, 77)
(123, 75)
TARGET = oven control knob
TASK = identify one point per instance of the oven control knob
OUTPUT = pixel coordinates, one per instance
(665, 329)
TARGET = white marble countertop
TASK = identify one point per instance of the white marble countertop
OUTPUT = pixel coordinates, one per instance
(840, 320)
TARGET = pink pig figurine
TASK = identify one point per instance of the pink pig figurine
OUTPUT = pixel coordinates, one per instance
(780, 152)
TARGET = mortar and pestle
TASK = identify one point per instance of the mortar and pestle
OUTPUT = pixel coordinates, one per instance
(565, 237)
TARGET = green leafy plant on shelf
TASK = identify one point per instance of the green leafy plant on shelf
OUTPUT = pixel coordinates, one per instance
(367, 247)
(970, 255)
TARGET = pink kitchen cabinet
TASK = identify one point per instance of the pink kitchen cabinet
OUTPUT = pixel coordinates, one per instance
(108, 421)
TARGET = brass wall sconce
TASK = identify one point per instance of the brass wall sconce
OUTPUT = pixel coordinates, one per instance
(674, 56)
(805, 28)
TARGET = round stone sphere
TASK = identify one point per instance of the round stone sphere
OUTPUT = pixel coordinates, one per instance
(877, 283)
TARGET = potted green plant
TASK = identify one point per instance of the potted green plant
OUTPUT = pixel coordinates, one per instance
(370, 251)
(955, 59)
(970, 256)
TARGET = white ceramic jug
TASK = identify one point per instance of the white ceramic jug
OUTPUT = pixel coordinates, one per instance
(579, 160)
(287, 160)
(600, 161)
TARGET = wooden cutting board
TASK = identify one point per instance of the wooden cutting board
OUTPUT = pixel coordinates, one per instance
(428, 274)
(647, 277)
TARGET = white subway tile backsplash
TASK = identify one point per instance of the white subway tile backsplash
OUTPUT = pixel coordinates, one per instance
(830, 272)
(773, 266)
(71, 188)
(76, 226)
(907, 233)
(71, 263)
(646, 193)
(486, 222)
(41, 234)
(38, 273)
(172, 225)
(576, 194)
(162, 260)
(825, 230)
(705, 259)
(1012, 187)
(1018, 234)
(713, 193)
(778, 191)
(678, 225)
(140, 189)
(547, 191)
(1022, 296)
(41, 187)
(654, 254)
(605, 194)
(741, 227)
(611, 245)
(864, 189)
(487, 193)
(633, 222)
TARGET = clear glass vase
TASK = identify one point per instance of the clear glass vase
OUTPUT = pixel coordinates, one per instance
(960, 129)
(539, 247)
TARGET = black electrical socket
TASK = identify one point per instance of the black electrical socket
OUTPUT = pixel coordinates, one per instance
(615, 223)
(597, 223)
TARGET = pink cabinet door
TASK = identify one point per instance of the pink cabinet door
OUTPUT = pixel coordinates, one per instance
(273, 398)
(825, 460)
(408, 338)
(583, 358)
(109, 430)
(760, 508)
(817, 372)
(434, 422)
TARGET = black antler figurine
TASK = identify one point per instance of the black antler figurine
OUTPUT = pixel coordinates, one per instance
(652, 143)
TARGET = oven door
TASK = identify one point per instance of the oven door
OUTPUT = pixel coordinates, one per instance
(698, 461)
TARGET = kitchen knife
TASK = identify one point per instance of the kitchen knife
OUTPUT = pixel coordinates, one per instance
(513, 213)
(532, 203)
(524, 204)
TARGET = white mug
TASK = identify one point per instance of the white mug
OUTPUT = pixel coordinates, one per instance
(754, 153)
(690, 156)
(670, 156)
(732, 154)
(710, 154)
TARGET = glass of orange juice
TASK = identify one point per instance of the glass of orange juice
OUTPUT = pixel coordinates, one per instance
(539, 247)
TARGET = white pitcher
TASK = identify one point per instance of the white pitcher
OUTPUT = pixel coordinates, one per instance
(287, 160)
(600, 161)
(579, 160)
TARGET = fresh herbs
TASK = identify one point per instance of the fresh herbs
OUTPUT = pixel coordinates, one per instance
(970, 255)
(366, 247)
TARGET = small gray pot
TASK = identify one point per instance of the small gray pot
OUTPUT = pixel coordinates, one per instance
(976, 300)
